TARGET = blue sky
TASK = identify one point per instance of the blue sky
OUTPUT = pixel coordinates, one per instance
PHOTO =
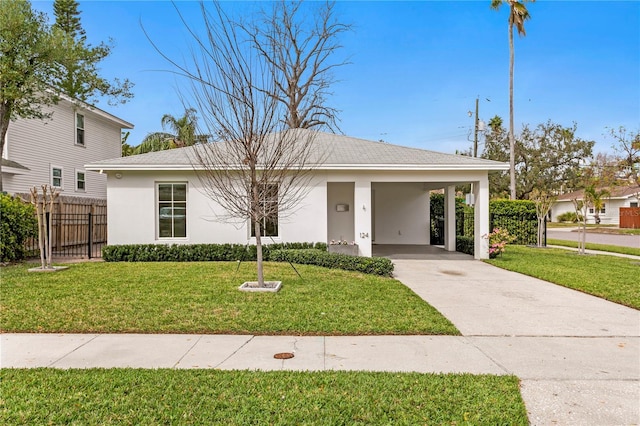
(417, 66)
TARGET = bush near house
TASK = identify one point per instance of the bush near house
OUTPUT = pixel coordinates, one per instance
(368, 265)
(17, 224)
(303, 253)
(196, 252)
(569, 217)
(465, 245)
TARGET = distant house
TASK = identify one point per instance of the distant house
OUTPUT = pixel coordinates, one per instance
(621, 196)
(55, 151)
(363, 191)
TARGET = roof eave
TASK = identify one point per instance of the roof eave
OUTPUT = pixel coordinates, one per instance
(359, 167)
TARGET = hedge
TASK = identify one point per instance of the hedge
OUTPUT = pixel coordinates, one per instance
(196, 252)
(516, 216)
(465, 244)
(18, 223)
(302, 253)
(368, 265)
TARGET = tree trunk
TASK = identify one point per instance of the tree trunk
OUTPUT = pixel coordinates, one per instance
(259, 253)
(512, 144)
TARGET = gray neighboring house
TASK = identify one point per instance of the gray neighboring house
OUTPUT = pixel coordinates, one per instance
(55, 151)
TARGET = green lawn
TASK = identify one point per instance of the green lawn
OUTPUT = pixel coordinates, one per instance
(202, 297)
(612, 278)
(131, 396)
(593, 246)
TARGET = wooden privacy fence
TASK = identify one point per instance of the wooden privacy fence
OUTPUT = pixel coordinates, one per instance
(630, 217)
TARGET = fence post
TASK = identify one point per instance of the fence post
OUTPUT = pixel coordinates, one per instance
(90, 236)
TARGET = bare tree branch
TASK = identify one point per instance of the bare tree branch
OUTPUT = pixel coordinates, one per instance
(256, 168)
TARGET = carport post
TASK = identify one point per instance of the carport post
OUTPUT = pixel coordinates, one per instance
(481, 219)
(450, 218)
(362, 215)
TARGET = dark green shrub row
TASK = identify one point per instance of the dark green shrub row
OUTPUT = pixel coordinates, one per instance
(18, 223)
(196, 252)
(368, 265)
(465, 244)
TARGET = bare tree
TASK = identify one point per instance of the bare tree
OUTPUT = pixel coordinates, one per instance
(257, 169)
(543, 201)
(302, 53)
(44, 211)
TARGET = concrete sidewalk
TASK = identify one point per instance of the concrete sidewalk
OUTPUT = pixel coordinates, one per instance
(578, 356)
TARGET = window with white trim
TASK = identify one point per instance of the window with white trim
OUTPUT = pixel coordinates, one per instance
(79, 129)
(56, 177)
(269, 205)
(172, 210)
(81, 181)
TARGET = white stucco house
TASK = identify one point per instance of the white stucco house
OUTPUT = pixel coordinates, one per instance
(363, 191)
(620, 196)
(55, 151)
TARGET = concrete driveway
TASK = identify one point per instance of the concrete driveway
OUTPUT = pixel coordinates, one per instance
(578, 356)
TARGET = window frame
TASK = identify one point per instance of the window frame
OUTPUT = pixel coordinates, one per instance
(266, 222)
(53, 177)
(172, 205)
(83, 180)
(80, 131)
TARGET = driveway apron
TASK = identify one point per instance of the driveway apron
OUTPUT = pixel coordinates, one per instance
(578, 356)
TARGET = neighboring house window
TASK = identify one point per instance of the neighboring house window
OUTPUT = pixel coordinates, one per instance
(79, 129)
(603, 210)
(172, 210)
(269, 225)
(81, 182)
(633, 204)
(56, 177)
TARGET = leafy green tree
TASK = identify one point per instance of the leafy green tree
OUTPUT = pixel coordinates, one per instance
(78, 74)
(36, 58)
(518, 14)
(30, 52)
(548, 157)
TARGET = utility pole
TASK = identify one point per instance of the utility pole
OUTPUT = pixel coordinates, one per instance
(475, 131)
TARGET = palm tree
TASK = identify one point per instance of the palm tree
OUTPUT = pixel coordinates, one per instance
(595, 198)
(518, 13)
(182, 132)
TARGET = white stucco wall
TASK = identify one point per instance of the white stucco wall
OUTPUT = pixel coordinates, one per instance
(340, 224)
(132, 213)
(401, 213)
(401, 204)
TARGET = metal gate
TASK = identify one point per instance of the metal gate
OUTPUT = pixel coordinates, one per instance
(75, 235)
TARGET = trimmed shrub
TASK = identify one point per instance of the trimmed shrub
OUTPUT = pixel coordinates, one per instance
(368, 265)
(196, 252)
(518, 217)
(569, 217)
(465, 244)
(18, 223)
